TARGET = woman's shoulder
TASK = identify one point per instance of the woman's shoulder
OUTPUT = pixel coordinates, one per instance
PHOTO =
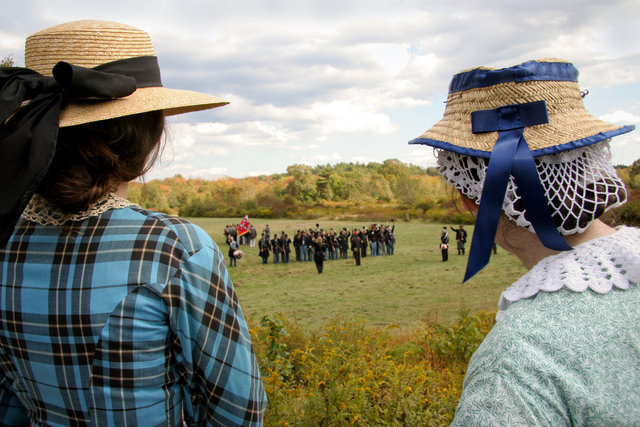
(557, 330)
(570, 349)
(165, 226)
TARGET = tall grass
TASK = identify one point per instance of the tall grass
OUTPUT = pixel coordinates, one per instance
(351, 373)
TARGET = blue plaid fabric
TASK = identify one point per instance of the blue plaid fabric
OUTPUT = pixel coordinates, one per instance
(126, 318)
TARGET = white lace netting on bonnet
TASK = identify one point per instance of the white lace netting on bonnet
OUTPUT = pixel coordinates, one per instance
(584, 179)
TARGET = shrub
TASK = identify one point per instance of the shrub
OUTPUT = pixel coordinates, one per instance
(456, 343)
(351, 373)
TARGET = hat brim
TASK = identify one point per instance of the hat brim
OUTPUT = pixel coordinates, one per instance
(143, 100)
(571, 145)
(570, 126)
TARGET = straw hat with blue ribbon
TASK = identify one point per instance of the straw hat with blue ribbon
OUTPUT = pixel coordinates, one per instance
(75, 73)
(512, 116)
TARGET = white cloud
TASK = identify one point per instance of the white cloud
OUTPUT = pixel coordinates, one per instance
(209, 173)
(303, 77)
(210, 128)
(261, 172)
(363, 159)
(162, 169)
(624, 148)
(421, 156)
(391, 57)
(11, 44)
(349, 117)
(271, 130)
(323, 158)
(621, 117)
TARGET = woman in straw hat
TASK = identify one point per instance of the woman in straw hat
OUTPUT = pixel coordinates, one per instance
(109, 313)
(535, 169)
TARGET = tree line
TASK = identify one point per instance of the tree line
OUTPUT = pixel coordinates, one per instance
(629, 213)
(390, 189)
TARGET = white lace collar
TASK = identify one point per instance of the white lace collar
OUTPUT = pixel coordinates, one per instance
(600, 265)
(39, 210)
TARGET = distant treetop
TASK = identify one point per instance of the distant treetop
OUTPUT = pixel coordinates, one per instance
(7, 61)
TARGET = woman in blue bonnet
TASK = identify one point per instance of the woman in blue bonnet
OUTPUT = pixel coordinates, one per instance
(535, 169)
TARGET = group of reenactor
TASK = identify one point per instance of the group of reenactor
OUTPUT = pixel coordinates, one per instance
(320, 245)
(231, 230)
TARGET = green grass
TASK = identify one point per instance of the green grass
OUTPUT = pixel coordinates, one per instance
(408, 288)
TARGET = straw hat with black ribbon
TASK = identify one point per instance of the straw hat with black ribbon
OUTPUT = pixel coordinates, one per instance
(518, 118)
(75, 73)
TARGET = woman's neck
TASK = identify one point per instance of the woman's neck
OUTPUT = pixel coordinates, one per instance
(122, 190)
(528, 248)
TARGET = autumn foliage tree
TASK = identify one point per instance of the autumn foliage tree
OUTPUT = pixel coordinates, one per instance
(391, 189)
(629, 213)
(7, 61)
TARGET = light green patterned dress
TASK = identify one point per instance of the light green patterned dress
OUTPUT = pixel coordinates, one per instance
(566, 347)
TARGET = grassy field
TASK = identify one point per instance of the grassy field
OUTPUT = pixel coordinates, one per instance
(411, 287)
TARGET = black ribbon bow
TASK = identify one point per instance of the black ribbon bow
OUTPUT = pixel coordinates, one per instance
(30, 106)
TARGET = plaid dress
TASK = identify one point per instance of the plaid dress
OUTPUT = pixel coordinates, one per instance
(124, 318)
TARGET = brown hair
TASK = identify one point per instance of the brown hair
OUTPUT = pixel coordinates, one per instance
(91, 160)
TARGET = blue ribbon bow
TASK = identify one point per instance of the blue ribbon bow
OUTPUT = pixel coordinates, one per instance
(510, 156)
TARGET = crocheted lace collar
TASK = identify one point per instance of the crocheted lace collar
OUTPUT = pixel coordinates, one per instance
(42, 212)
(600, 265)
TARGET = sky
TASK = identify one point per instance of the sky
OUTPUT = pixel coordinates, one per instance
(324, 82)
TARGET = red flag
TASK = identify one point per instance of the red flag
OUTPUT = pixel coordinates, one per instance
(243, 228)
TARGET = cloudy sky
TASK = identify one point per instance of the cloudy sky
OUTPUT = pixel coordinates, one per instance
(331, 81)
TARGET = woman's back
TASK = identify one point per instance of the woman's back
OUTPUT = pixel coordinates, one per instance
(98, 324)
